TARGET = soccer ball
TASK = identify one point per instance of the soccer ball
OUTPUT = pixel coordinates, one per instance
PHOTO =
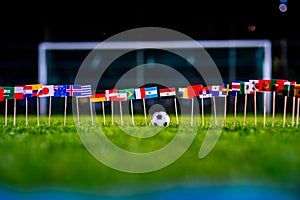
(160, 118)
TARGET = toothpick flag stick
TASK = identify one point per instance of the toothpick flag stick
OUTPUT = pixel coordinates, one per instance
(225, 109)
(103, 113)
(112, 112)
(176, 113)
(77, 109)
(5, 120)
(131, 108)
(297, 117)
(144, 106)
(192, 111)
(26, 110)
(265, 107)
(50, 109)
(91, 109)
(65, 110)
(15, 111)
(235, 104)
(284, 111)
(202, 110)
(37, 111)
(255, 109)
(293, 111)
(121, 113)
(215, 110)
(245, 108)
(273, 111)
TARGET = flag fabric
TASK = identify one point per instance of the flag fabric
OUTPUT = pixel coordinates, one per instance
(1, 94)
(288, 88)
(183, 93)
(226, 89)
(167, 92)
(98, 97)
(216, 91)
(253, 86)
(35, 89)
(263, 86)
(297, 90)
(129, 93)
(151, 92)
(59, 91)
(8, 92)
(139, 93)
(205, 92)
(113, 95)
(242, 87)
(73, 90)
(247, 87)
(46, 91)
(27, 90)
(235, 88)
(86, 91)
(18, 92)
(194, 90)
(280, 86)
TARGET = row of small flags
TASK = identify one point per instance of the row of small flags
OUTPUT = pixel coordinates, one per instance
(277, 86)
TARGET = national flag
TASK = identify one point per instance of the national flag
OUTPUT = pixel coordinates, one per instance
(183, 93)
(35, 89)
(205, 92)
(288, 88)
(226, 89)
(46, 91)
(235, 88)
(86, 91)
(129, 93)
(280, 86)
(253, 86)
(73, 90)
(139, 93)
(194, 90)
(242, 87)
(1, 94)
(297, 90)
(113, 95)
(59, 90)
(18, 92)
(167, 92)
(151, 92)
(263, 85)
(247, 88)
(98, 98)
(27, 90)
(8, 92)
(216, 91)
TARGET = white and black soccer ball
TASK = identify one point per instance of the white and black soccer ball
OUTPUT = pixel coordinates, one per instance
(160, 118)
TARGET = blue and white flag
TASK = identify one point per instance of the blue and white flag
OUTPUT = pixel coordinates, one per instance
(59, 91)
(86, 90)
(151, 92)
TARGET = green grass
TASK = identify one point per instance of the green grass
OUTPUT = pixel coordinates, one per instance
(53, 156)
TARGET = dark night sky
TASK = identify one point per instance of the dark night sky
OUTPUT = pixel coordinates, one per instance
(24, 25)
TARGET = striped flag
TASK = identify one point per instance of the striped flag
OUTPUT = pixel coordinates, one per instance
(297, 90)
(46, 91)
(151, 92)
(98, 97)
(206, 92)
(35, 89)
(27, 91)
(167, 92)
(86, 90)
(18, 92)
(139, 93)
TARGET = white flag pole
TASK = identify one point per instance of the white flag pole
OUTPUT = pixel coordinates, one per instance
(245, 108)
(192, 112)
(297, 117)
(273, 111)
(255, 109)
(202, 110)
(65, 110)
(293, 111)
(26, 110)
(77, 107)
(91, 108)
(284, 111)
(132, 116)
(235, 104)
(176, 113)
(103, 113)
(145, 116)
(112, 112)
(5, 120)
(265, 108)
(50, 109)
(15, 111)
(121, 113)
(225, 109)
(37, 111)
(215, 109)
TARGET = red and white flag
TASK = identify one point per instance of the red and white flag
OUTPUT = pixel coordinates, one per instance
(166, 92)
(46, 91)
(139, 93)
